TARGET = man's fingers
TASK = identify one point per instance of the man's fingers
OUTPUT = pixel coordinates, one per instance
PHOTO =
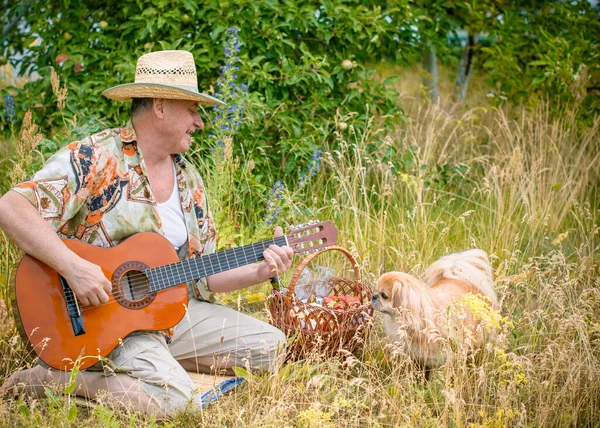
(95, 297)
(104, 297)
(94, 300)
(108, 287)
(272, 262)
(278, 232)
(290, 253)
(285, 255)
(278, 258)
(274, 267)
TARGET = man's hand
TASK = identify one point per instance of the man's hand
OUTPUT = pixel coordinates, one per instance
(88, 282)
(277, 259)
(23, 224)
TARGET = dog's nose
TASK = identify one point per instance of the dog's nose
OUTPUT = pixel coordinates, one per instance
(375, 297)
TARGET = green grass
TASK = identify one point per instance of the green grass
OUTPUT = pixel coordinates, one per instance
(517, 184)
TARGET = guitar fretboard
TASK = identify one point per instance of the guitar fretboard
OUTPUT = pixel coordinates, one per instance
(167, 276)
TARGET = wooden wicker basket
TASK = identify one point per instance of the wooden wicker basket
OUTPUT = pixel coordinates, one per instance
(319, 330)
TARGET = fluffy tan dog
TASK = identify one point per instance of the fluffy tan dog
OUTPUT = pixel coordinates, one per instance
(418, 315)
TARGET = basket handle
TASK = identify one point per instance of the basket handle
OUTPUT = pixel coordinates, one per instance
(309, 258)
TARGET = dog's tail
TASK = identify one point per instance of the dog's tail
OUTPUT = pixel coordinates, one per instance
(472, 266)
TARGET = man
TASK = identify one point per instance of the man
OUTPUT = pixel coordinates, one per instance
(123, 181)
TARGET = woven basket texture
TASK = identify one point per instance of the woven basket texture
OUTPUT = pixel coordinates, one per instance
(319, 330)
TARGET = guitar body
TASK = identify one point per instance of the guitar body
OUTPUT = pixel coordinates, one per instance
(45, 320)
(148, 292)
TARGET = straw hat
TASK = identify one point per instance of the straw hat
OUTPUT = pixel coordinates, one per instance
(163, 74)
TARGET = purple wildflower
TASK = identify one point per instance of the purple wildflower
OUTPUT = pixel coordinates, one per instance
(9, 104)
(228, 118)
(273, 204)
(313, 168)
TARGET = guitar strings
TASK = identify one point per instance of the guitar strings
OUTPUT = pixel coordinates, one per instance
(168, 273)
(141, 282)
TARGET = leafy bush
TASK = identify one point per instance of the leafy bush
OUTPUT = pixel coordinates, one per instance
(292, 59)
(305, 66)
(546, 51)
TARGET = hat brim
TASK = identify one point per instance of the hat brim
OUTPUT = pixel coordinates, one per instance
(155, 90)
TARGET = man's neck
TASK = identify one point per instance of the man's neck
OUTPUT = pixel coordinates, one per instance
(148, 141)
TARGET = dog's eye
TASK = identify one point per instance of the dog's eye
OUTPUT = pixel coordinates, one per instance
(383, 295)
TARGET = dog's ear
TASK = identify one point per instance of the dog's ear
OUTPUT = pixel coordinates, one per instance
(396, 292)
(386, 286)
(399, 287)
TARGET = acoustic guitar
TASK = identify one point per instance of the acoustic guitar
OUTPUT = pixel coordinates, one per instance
(148, 292)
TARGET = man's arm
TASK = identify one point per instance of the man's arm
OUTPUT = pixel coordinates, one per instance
(277, 261)
(30, 232)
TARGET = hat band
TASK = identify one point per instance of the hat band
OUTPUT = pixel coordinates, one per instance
(179, 76)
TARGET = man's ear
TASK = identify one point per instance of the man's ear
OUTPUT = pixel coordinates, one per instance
(158, 107)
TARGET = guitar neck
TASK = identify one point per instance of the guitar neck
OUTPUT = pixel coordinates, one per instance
(167, 276)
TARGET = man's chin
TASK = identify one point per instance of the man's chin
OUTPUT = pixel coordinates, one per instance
(186, 143)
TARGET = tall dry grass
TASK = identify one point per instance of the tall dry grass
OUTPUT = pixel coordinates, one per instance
(527, 195)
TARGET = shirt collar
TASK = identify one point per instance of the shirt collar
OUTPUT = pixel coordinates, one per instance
(128, 137)
(128, 133)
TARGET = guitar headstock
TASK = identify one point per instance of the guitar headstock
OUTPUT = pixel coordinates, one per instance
(312, 236)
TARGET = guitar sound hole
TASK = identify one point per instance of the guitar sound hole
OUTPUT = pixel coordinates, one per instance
(134, 285)
(131, 287)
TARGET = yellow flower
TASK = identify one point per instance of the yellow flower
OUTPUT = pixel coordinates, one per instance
(481, 310)
(313, 417)
(410, 180)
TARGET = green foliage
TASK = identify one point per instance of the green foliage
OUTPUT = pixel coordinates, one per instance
(219, 167)
(291, 58)
(529, 203)
(546, 51)
(525, 190)
(526, 51)
(303, 63)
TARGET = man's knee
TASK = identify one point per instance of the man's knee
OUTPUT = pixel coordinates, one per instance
(271, 350)
(279, 339)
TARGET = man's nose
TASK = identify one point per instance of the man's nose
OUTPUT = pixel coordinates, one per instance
(198, 122)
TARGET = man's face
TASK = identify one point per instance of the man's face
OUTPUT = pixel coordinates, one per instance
(181, 121)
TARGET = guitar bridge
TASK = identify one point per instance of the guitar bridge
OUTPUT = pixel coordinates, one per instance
(73, 308)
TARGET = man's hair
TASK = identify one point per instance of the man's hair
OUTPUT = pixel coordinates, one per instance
(140, 105)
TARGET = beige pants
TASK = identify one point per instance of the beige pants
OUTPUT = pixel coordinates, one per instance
(210, 337)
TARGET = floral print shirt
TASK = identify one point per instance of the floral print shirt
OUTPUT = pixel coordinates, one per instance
(97, 191)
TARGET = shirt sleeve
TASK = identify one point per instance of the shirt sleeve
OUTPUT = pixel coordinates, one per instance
(55, 190)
